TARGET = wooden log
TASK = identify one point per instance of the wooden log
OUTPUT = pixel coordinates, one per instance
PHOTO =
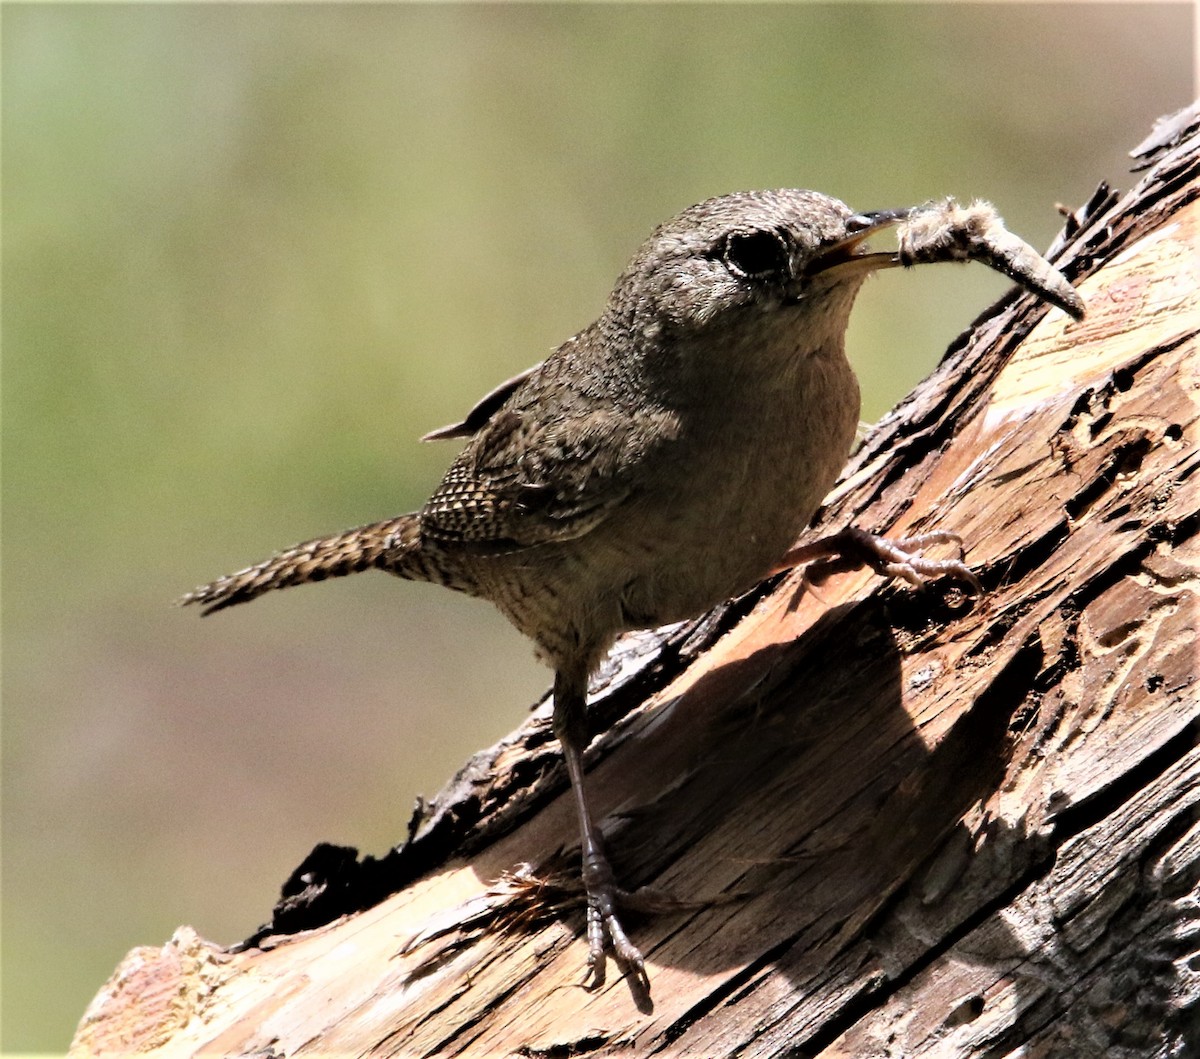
(896, 823)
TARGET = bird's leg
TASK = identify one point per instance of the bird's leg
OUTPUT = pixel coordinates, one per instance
(570, 726)
(852, 547)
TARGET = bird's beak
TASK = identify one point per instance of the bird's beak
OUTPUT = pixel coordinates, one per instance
(848, 256)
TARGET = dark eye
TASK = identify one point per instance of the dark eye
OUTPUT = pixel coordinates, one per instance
(756, 255)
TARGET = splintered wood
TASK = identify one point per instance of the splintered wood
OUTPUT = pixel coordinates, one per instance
(913, 825)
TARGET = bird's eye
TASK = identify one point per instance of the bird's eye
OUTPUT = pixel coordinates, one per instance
(756, 255)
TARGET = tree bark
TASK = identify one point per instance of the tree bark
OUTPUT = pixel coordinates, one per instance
(895, 823)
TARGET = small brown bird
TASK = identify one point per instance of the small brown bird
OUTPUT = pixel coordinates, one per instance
(668, 456)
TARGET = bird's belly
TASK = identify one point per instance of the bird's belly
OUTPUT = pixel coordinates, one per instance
(702, 528)
(714, 536)
(729, 542)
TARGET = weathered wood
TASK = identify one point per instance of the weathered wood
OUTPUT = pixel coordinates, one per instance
(900, 824)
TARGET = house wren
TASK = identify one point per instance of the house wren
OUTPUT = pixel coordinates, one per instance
(665, 458)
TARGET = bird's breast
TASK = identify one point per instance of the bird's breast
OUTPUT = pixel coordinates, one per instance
(731, 494)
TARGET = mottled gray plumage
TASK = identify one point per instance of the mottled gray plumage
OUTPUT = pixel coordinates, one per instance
(662, 460)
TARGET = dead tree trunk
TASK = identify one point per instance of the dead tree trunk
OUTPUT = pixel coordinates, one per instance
(905, 825)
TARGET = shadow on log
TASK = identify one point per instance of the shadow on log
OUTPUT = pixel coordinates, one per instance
(896, 823)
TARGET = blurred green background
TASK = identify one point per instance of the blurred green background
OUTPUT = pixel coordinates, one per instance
(252, 252)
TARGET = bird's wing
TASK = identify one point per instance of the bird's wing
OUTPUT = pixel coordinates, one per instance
(531, 478)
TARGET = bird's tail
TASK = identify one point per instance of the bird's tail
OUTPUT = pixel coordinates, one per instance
(380, 545)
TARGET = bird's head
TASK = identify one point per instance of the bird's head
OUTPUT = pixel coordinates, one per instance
(749, 252)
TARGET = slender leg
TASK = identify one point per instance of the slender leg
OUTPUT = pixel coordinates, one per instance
(889, 558)
(570, 725)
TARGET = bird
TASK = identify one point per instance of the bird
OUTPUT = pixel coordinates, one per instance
(664, 459)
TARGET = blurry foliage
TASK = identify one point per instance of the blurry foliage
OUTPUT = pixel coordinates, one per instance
(252, 252)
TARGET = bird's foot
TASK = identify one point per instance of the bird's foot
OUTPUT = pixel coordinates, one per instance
(853, 547)
(604, 928)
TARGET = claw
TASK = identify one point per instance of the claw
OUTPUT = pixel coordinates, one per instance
(603, 926)
(900, 558)
(889, 558)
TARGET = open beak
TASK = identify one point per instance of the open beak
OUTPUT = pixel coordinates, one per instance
(849, 256)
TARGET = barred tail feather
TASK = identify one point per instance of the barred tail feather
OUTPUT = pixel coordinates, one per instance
(379, 545)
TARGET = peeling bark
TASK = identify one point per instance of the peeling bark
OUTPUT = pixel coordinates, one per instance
(898, 824)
